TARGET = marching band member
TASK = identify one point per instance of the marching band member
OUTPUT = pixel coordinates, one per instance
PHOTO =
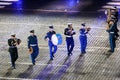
(33, 46)
(112, 36)
(12, 42)
(114, 16)
(115, 25)
(50, 44)
(83, 38)
(112, 13)
(69, 32)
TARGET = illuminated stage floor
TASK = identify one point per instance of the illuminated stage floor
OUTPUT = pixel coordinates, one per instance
(93, 66)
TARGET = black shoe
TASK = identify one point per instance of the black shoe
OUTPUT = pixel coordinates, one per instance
(53, 55)
(84, 52)
(110, 51)
(51, 58)
(81, 55)
(68, 54)
(34, 63)
(13, 67)
(71, 53)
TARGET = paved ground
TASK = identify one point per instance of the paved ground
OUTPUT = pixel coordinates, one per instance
(93, 66)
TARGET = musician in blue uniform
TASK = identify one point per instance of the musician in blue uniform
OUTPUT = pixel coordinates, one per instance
(33, 46)
(52, 47)
(113, 14)
(83, 39)
(69, 32)
(12, 42)
(112, 37)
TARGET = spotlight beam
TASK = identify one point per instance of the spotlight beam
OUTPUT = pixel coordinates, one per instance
(5, 3)
(2, 6)
(113, 3)
(110, 6)
(10, 0)
(115, 0)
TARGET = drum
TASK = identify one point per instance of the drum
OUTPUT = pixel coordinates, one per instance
(56, 39)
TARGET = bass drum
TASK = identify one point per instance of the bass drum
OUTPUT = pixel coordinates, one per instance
(56, 39)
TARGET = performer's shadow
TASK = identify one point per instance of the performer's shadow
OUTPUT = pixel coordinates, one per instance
(9, 72)
(63, 69)
(79, 66)
(27, 72)
(46, 71)
(108, 54)
(106, 69)
(117, 74)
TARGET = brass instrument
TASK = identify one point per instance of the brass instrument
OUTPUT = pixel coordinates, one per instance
(107, 27)
(30, 50)
(88, 29)
(108, 15)
(17, 41)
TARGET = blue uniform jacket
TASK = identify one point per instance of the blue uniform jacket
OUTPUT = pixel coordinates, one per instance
(32, 40)
(83, 31)
(49, 35)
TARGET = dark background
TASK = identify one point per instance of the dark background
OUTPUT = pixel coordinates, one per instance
(41, 4)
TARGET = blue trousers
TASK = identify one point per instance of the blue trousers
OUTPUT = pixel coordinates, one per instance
(83, 43)
(34, 54)
(70, 44)
(112, 41)
(52, 49)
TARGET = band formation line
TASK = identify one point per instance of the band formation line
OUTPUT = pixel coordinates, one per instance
(69, 32)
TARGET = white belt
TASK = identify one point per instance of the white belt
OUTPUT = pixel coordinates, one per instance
(111, 32)
(33, 44)
(82, 35)
(68, 36)
(12, 46)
